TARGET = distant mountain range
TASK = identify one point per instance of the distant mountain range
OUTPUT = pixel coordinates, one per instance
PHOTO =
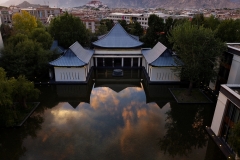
(138, 3)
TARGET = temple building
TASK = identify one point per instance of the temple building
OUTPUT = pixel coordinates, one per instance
(116, 49)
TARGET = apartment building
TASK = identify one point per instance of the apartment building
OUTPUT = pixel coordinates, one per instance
(142, 18)
(43, 12)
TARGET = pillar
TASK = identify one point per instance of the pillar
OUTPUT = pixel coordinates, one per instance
(131, 62)
(96, 61)
(122, 61)
(138, 61)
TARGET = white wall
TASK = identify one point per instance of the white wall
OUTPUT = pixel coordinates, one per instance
(70, 74)
(162, 74)
(219, 113)
(234, 75)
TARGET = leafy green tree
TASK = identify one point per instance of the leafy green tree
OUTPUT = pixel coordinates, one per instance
(136, 29)
(40, 35)
(25, 57)
(5, 90)
(24, 90)
(198, 20)
(68, 29)
(11, 90)
(24, 22)
(199, 51)
(229, 30)
(109, 23)
(234, 138)
(155, 29)
(102, 29)
(211, 22)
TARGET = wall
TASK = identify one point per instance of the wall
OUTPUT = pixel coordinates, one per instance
(234, 75)
(219, 113)
(70, 74)
(162, 74)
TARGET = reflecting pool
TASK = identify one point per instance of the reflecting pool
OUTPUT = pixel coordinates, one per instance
(105, 120)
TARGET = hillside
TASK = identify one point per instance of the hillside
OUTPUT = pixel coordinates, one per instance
(138, 3)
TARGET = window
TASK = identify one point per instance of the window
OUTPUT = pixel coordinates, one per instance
(231, 116)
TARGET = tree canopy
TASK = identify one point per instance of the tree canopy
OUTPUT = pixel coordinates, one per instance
(24, 22)
(68, 29)
(156, 27)
(229, 30)
(14, 90)
(199, 51)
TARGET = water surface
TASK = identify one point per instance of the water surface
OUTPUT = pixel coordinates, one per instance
(112, 120)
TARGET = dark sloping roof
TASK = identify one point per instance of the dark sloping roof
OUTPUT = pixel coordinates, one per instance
(160, 56)
(75, 56)
(117, 37)
(166, 59)
(68, 59)
(83, 54)
(154, 53)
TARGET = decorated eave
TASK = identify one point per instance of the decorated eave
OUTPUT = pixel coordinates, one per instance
(117, 37)
(160, 56)
(75, 56)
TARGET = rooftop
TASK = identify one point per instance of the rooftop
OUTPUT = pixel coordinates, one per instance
(234, 46)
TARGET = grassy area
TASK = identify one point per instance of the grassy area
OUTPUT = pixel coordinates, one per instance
(181, 96)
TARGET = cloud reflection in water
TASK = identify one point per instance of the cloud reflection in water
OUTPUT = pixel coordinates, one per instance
(113, 126)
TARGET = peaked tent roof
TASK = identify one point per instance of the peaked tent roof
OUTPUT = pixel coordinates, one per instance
(154, 53)
(75, 56)
(80, 52)
(166, 59)
(160, 56)
(68, 59)
(117, 37)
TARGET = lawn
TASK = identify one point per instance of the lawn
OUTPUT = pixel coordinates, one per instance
(197, 96)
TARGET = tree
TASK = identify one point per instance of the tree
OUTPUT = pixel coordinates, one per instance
(41, 36)
(109, 23)
(229, 30)
(11, 90)
(25, 57)
(24, 90)
(198, 20)
(199, 51)
(5, 90)
(136, 29)
(156, 27)
(68, 29)
(24, 22)
(211, 22)
(234, 138)
(102, 29)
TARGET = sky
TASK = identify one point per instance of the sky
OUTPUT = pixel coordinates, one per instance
(2, 1)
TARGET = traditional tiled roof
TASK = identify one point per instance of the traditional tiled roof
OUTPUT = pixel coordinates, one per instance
(81, 53)
(68, 59)
(75, 56)
(160, 56)
(166, 59)
(154, 53)
(117, 37)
